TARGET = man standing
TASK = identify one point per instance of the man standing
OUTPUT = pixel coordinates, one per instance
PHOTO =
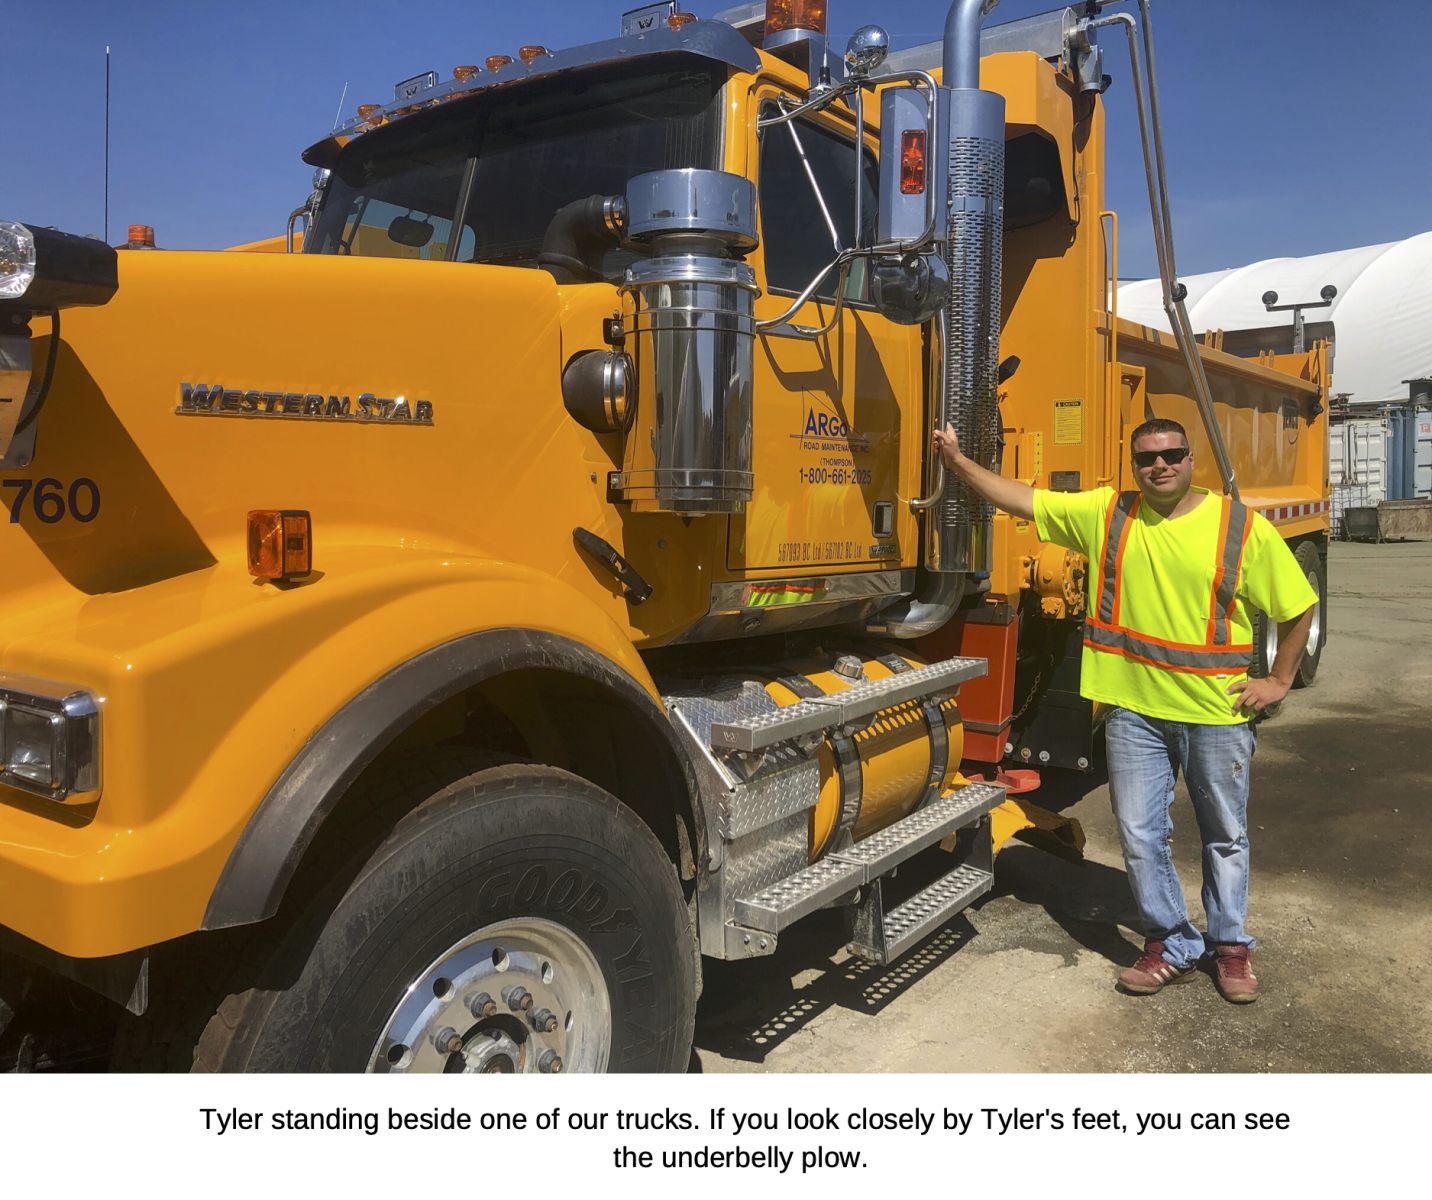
(1175, 574)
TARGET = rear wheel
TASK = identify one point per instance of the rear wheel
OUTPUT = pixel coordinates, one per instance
(1311, 563)
(518, 920)
(1265, 650)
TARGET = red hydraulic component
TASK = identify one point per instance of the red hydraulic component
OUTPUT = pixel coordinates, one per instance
(991, 632)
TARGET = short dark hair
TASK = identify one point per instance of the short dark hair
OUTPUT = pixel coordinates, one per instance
(1158, 425)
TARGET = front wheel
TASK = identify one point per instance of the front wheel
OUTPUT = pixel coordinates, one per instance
(517, 920)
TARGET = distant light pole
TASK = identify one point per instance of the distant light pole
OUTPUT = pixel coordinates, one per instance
(1270, 302)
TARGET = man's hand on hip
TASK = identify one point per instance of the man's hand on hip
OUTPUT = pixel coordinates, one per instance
(1256, 694)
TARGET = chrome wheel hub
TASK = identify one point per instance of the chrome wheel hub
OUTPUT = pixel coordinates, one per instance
(1315, 633)
(522, 996)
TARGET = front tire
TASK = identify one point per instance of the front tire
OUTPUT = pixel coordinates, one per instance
(522, 884)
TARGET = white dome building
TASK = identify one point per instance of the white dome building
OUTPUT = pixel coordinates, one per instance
(1381, 317)
(1380, 323)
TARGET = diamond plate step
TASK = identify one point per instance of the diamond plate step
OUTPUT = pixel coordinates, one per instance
(906, 838)
(842, 708)
(922, 914)
(774, 908)
(798, 895)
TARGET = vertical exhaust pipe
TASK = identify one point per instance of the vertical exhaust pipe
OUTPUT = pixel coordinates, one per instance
(959, 538)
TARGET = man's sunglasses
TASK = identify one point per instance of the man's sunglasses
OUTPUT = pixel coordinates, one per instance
(1144, 459)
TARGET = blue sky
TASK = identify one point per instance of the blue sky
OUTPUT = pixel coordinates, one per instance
(1292, 127)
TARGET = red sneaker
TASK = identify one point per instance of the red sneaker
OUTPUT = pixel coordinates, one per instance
(1152, 972)
(1233, 973)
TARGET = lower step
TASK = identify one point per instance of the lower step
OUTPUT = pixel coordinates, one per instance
(882, 937)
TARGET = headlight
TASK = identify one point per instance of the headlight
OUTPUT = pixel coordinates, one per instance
(44, 269)
(49, 737)
(17, 259)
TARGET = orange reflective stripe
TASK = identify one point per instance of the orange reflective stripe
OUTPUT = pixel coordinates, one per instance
(1232, 537)
(1115, 529)
(1214, 656)
(1123, 545)
(1213, 611)
(1172, 656)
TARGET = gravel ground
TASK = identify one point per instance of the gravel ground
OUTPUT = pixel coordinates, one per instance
(1341, 831)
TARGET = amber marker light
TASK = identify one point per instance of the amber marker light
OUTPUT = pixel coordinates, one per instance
(280, 544)
(678, 19)
(795, 14)
(461, 73)
(912, 162)
(528, 54)
(495, 62)
(367, 110)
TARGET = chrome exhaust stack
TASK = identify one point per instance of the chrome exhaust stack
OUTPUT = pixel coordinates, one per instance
(690, 308)
(959, 537)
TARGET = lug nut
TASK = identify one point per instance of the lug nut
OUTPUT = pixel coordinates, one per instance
(447, 1040)
(482, 1005)
(550, 1063)
(544, 1020)
(518, 998)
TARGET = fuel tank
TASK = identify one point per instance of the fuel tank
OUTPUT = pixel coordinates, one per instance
(906, 756)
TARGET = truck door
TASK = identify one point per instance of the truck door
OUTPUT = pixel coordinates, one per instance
(838, 418)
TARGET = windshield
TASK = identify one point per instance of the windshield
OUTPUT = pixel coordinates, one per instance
(519, 155)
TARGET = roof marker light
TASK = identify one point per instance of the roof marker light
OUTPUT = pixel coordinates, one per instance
(528, 54)
(678, 19)
(367, 110)
(495, 62)
(461, 73)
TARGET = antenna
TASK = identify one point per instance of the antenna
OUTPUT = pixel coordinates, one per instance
(106, 145)
(339, 114)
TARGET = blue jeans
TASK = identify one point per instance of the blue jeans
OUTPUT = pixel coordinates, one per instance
(1145, 756)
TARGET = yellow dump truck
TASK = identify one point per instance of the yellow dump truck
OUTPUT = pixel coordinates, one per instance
(418, 651)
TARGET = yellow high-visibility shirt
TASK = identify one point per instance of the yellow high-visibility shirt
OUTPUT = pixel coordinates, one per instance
(1165, 580)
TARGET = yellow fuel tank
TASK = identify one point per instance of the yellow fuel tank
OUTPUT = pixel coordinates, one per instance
(870, 778)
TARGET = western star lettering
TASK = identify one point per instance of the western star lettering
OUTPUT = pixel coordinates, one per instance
(215, 400)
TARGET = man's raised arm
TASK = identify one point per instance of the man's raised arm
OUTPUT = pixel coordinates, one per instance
(1013, 497)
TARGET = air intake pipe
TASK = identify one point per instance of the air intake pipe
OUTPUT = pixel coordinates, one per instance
(959, 537)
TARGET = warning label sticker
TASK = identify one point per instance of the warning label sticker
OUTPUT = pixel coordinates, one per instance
(1068, 422)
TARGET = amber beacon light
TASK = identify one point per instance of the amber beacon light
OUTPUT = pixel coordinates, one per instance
(795, 14)
(280, 544)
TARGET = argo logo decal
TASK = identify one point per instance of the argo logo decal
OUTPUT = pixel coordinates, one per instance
(215, 400)
(821, 422)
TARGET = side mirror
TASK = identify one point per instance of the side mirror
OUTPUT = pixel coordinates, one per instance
(910, 290)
